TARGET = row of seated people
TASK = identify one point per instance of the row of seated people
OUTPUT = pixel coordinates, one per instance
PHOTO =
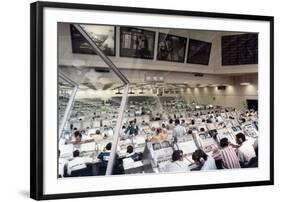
(211, 117)
(78, 167)
(228, 156)
(216, 116)
(174, 124)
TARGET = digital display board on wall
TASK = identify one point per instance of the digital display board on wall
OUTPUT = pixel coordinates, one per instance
(239, 49)
(103, 36)
(198, 52)
(171, 48)
(136, 43)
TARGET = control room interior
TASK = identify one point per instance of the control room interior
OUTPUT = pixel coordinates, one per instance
(183, 102)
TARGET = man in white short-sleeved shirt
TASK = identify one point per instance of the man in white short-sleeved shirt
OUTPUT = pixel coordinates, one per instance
(177, 165)
(78, 163)
(178, 131)
(245, 150)
(203, 161)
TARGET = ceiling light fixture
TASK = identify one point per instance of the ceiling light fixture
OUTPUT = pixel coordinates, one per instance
(245, 83)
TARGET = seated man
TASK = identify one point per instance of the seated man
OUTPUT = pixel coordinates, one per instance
(132, 154)
(78, 139)
(170, 125)
(203, 161)
(177, 164)
(97, 136)
(75, 166)
(133, 129)
(104, 156)
(192, 125)
(245, 151)
(227, 154)
(159, 136)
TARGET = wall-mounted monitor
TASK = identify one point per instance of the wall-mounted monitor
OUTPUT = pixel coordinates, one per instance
(103, 36)
(240, 49)
(136, 43)
(198, 52)
(171, 48)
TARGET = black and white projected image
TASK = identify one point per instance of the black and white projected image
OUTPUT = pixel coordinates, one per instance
(103, 36)
(136, 43)
(171, 48)
(198, 52)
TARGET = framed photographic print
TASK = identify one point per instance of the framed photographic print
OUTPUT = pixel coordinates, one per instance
(109, 122)
(171, 48)
(136, 43)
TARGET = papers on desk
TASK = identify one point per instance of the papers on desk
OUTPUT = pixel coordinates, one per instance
(129, 163)
(88, 159)
(66, 151)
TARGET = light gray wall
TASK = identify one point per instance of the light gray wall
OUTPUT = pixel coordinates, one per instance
(66, 57)
(233, 96)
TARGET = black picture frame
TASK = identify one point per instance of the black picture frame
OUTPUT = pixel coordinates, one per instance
(134, 52)
(37, 99)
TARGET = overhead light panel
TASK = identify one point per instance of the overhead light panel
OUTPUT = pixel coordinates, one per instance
(245, 83)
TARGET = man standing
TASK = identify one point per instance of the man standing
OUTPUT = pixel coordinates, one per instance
(178, 131)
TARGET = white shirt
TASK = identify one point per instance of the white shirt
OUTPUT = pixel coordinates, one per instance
(179, 131)
(62, 163)
(77, 163)
(177, 166)
(209, 164)
(246, 152)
